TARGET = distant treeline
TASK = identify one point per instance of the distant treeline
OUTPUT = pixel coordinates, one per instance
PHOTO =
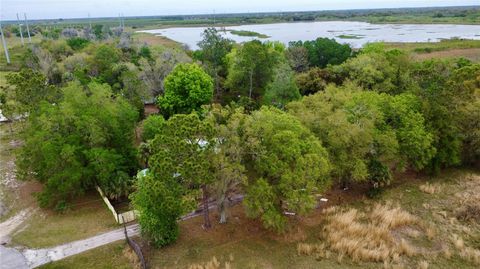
(459, 15)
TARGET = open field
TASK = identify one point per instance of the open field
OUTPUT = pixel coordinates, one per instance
(46, 228)
(154, 40)
(426, 228)
(446, 49)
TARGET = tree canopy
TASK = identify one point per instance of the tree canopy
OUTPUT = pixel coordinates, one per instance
(291, 167)
(187, 88)
(83, 140)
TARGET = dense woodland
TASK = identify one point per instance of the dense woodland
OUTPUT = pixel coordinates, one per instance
(277, 124)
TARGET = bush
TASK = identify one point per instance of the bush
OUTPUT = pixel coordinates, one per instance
(77, 43)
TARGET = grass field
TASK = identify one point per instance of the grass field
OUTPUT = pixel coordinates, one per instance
(119, 257)
(154, 40)
(451, 48)
(422, 227)
(45, 228)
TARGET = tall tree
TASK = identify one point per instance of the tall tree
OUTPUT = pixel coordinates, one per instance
(214, 49)
(182, 152)
(250, 68)
(26, 90)
(324, 51)
(187, 88)
(290, 163)
(159, 200)
(83, 140)
(228, 155)
(283, 88)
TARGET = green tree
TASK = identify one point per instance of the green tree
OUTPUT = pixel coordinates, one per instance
(160, 203)
(77, 43)
(283, 88)
(290, 164)
(466, 84)
(367, 133)
(315, 80)
(214, 49)
(228, 154)
(297, 57)
(152, 125)
(250, 68)
(104, 58)
(27, 89)
(187, 88)
(347, 125)
(83, 140)
(182, 151)
(440, 108)
(324, 51)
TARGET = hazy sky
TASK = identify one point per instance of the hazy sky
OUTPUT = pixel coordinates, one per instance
(53, 9)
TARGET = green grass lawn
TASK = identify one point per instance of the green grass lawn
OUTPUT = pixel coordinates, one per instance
(88, 217)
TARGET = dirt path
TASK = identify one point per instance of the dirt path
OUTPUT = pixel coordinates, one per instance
(8, 226)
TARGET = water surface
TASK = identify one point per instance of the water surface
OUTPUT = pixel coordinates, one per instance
(362, 31)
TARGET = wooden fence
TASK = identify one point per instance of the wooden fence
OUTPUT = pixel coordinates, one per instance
(120, 218)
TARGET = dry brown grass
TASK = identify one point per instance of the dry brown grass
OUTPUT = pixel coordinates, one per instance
(430, 188)
(467, 253)
(212, 264)
(423, 265)
(366, 236)
(131, 257)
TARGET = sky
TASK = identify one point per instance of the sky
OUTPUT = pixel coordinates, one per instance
(54, 9)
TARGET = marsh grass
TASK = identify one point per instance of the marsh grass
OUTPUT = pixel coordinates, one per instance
(430, 188)
(366, 236)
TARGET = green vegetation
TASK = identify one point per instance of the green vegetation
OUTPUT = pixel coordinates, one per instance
(277, 125)
(187, 88)
(248, 33)
(351, 36)
(93, 147)
(292, 167)
(324, 51)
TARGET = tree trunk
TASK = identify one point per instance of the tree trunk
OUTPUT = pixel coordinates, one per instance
(251, 84)
(223, 213)
(206, 217)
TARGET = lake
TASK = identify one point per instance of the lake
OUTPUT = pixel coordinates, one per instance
(354, 33)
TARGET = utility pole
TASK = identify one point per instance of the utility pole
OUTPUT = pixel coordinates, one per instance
(28, 29)
(123, 21)
(214, 18)
(4, 45)
(21, 32)
(89, 21)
